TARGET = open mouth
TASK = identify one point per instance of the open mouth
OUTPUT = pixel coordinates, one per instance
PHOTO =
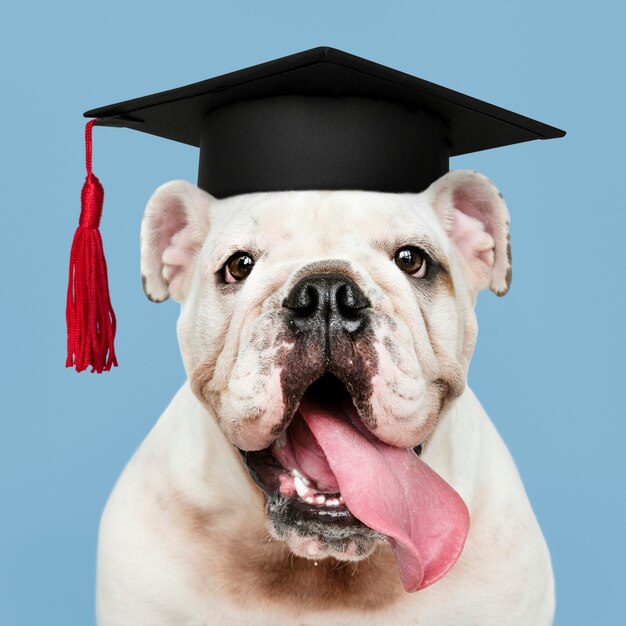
(328, 476)
(296, 467)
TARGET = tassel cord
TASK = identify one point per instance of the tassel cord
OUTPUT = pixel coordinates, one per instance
(91, 322)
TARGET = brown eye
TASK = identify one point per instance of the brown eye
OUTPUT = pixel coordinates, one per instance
(238, 267)
(411, 260)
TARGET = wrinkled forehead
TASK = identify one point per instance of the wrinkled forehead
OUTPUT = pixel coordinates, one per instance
(326, 221)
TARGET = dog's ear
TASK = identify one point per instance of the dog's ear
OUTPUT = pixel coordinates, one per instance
(476, 219)
(174, 227)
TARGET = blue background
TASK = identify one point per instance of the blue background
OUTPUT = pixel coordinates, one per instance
(549, 362)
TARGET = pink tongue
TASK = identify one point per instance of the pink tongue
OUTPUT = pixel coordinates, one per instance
(394, 492)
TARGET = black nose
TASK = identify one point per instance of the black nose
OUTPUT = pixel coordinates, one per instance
(327, 303)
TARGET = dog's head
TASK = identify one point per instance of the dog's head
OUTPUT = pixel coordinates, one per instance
(303, 307)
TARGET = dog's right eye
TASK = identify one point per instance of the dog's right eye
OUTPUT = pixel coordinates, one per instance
(238, 267)
(412, 261)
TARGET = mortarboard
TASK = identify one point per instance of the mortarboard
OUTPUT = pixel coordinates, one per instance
(319, 119)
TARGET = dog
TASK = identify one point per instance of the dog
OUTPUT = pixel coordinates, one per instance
(325, 463)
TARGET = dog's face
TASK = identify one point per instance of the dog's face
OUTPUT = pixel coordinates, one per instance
(355, 300)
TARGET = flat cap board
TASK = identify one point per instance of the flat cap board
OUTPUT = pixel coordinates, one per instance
(304, 86)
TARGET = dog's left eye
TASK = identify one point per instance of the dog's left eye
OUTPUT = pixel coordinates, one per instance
(412, 261)
(238, 266)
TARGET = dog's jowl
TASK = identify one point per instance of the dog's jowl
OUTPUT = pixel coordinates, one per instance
(326, 462)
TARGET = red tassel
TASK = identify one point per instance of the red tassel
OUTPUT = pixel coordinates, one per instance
(89, 314)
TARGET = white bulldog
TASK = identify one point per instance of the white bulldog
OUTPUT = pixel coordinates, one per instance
(326, 337)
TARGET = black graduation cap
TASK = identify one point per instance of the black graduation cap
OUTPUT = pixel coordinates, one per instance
(322, 119)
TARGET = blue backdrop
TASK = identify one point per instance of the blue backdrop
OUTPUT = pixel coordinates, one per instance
(549, 362)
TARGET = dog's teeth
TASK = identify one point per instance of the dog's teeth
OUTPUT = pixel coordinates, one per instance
(332, 502)
(320, 499)
(309, 500)
(296, 474)
(340, 499)
(302, 488)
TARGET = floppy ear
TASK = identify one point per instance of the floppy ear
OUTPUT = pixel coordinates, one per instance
(476, 219)
(174, 227)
